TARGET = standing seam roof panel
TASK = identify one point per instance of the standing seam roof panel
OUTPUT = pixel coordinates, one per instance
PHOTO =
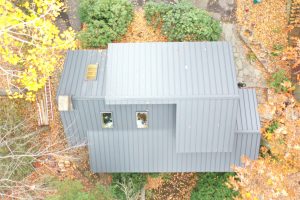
(73, 81)
(168, 66)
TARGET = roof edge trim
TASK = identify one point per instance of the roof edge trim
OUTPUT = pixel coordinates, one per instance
(116, 98)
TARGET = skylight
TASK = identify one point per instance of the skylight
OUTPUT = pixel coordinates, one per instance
(91, 72)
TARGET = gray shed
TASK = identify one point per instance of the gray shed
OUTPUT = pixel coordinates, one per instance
(158, 107)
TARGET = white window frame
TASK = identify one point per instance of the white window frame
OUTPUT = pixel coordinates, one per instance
(138, 124)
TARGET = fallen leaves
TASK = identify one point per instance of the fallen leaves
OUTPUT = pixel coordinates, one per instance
(267, 20)
(177, 187)
(140, 31)
(269, 177)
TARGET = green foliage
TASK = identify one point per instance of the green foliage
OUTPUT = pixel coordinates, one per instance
(277, 79)
(154, 175)
(154, 12)
(278, 48)
(182, 21)
(106, 21)
(74, 190)
(133, 181)
(251, 57)
(272, 127)
(212, 186)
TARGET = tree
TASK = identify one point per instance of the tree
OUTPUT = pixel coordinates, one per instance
(31, 46)
(27, 152)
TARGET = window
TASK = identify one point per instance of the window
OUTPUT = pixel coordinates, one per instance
(91, 72)
(142, 119)
(107, 120)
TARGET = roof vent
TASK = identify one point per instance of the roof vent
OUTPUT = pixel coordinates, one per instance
(65, 103)
(91, 72)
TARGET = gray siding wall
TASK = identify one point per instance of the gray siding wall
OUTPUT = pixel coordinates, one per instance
(128, 149)
(156, 152)
(206, 125)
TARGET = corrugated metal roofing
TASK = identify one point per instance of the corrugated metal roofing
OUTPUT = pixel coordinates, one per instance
(73, 81)
(146, 72)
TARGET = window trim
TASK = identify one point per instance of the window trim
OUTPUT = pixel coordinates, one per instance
(147, 119)
(102, 120)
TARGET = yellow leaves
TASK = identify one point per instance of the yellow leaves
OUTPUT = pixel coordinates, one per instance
(26, 5)
(297, 147)
(268, 135)
(248, 195)
(288, 86)
(269, 182)
(31, 42)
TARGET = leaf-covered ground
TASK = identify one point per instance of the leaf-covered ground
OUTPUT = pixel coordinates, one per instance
(267, 20)
(140, 31)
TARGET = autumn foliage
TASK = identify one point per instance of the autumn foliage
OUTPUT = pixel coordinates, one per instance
(30, 44)
(276, 173)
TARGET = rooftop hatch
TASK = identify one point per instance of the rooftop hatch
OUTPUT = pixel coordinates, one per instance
(91, 72)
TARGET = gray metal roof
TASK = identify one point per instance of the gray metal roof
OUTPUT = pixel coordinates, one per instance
(161, 72)
(73, 81)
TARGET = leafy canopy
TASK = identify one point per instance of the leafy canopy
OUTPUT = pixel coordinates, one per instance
(182, 21)
(105, 21)
(30, 44)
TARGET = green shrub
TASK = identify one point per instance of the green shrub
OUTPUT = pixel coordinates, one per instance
(277, 79)
(272, 127)
(183, 22)
(154, 12)
(212, 186)
(133, 182)
(106, 21)
(74, 190)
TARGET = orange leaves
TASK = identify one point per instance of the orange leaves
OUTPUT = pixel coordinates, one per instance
(267, 20)
(140, 31)
(272, 175)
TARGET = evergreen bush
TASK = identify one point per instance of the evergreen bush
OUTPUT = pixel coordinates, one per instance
(105, 21)
(212, 186)
(183, 22)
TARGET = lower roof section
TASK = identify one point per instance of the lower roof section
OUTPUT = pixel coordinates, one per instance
(156, 152)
